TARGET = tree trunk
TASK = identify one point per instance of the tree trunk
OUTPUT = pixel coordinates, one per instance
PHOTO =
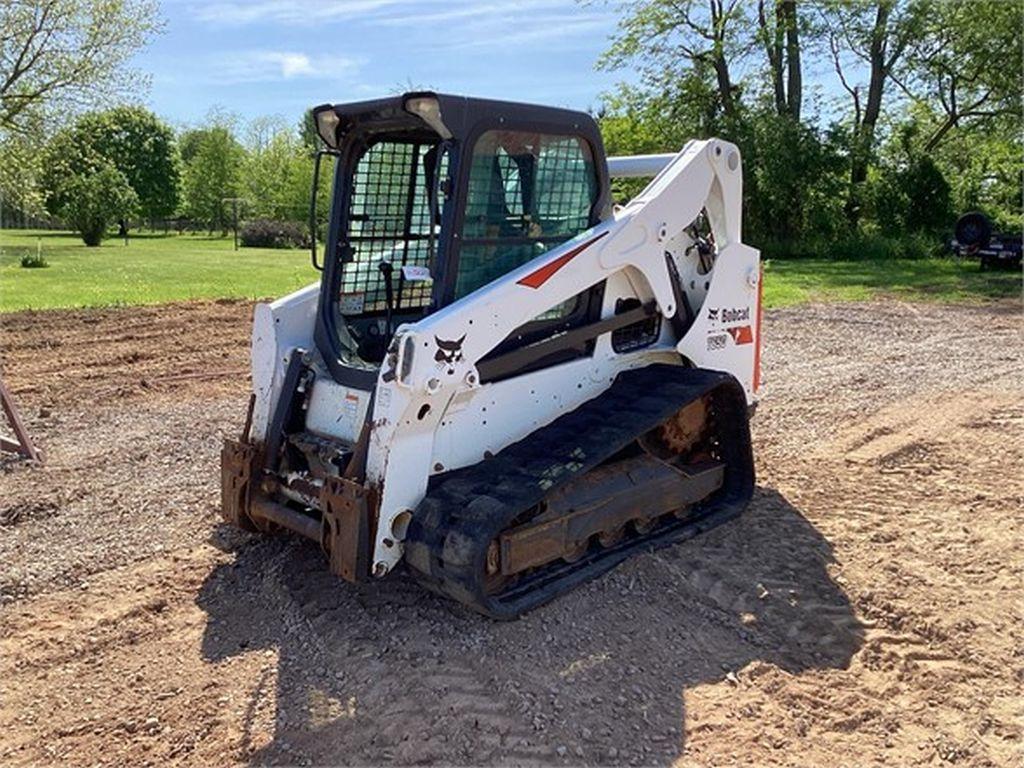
(772, 38)
(782, 46)
(724, 85)
(864, 132)
(794, 84)
(718, 21)
(943, 129)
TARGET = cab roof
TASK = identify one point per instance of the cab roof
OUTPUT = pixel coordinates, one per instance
(463, 116)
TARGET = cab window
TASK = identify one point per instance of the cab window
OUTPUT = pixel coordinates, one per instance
(527, 193)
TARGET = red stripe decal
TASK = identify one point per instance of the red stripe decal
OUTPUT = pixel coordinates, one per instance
(538, 277)
(741, 334)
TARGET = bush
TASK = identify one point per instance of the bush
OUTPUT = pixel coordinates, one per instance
(858, 247)
(910, 197)
(267, 233)
(34, 261)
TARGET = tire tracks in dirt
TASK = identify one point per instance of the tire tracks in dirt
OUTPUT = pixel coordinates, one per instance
(866, 605)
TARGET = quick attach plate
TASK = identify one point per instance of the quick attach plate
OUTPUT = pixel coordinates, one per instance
(346, 507)
(239, 464)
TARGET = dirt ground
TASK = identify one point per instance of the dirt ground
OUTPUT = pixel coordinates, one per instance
(867, 609)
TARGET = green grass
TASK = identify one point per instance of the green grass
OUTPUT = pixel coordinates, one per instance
(156, 268)
(151, 269)
(798, 281)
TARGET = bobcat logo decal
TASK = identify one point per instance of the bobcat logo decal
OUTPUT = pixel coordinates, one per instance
(449, 352)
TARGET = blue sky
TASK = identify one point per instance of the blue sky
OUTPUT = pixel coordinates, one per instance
(278, 57)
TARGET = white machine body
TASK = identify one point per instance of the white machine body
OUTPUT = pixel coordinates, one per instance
(431, 414)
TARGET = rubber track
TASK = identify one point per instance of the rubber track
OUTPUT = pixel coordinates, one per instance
(464, 510)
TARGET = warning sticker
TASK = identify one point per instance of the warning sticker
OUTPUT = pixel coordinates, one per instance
(351, 303)
(415, 273)
(350, 407)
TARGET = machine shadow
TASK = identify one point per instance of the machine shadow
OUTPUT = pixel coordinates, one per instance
(386, 673)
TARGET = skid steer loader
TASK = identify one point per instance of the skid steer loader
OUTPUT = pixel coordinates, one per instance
(502, 381)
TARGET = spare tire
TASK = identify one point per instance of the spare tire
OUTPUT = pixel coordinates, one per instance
(973, 230)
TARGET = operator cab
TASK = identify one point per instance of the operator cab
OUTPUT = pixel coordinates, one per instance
(434, 197)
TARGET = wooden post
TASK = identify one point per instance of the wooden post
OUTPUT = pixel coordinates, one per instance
(22, 443)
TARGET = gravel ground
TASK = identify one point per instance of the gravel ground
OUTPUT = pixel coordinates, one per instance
(865, 611)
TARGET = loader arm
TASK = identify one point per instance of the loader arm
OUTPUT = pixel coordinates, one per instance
(435, 360)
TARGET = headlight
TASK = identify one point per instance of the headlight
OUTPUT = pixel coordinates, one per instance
(428, 110)
(327, 124)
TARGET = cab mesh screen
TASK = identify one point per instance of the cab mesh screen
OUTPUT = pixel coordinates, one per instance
(388, 220)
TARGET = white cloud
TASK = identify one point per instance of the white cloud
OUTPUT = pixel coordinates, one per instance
(286, 11)
(452, 16)
(269, 66)
(500, 24)
(467, 11)
(577, 28)
(446, 24)
(293, 64)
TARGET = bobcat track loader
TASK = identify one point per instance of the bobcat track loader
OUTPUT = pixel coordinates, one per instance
(501, 381)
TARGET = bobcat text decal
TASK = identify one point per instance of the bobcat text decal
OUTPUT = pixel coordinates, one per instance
(741, 334)
(728, 314)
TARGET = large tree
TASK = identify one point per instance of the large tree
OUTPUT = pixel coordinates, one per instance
(872, 35)
(92, 200)
(84, 188)
(723, 38)
(671, 36)
(965, 66)
(213, 161)
(932, 126)
(732, 69)
(130, 139)
(68, 54)
(142, 147)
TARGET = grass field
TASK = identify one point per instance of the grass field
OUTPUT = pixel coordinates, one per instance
(159, 268)
(150, 270)
(797, 281)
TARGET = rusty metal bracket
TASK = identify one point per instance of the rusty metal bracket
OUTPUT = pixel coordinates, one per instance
(346, 507)
(239, 465)
(22, 444)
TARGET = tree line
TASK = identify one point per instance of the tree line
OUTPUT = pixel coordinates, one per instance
(916, 115)
(95, 168)
(864, 124)
(125, 166)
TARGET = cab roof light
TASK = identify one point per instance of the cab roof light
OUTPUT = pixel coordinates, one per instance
(327, 121)
(428, 110)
